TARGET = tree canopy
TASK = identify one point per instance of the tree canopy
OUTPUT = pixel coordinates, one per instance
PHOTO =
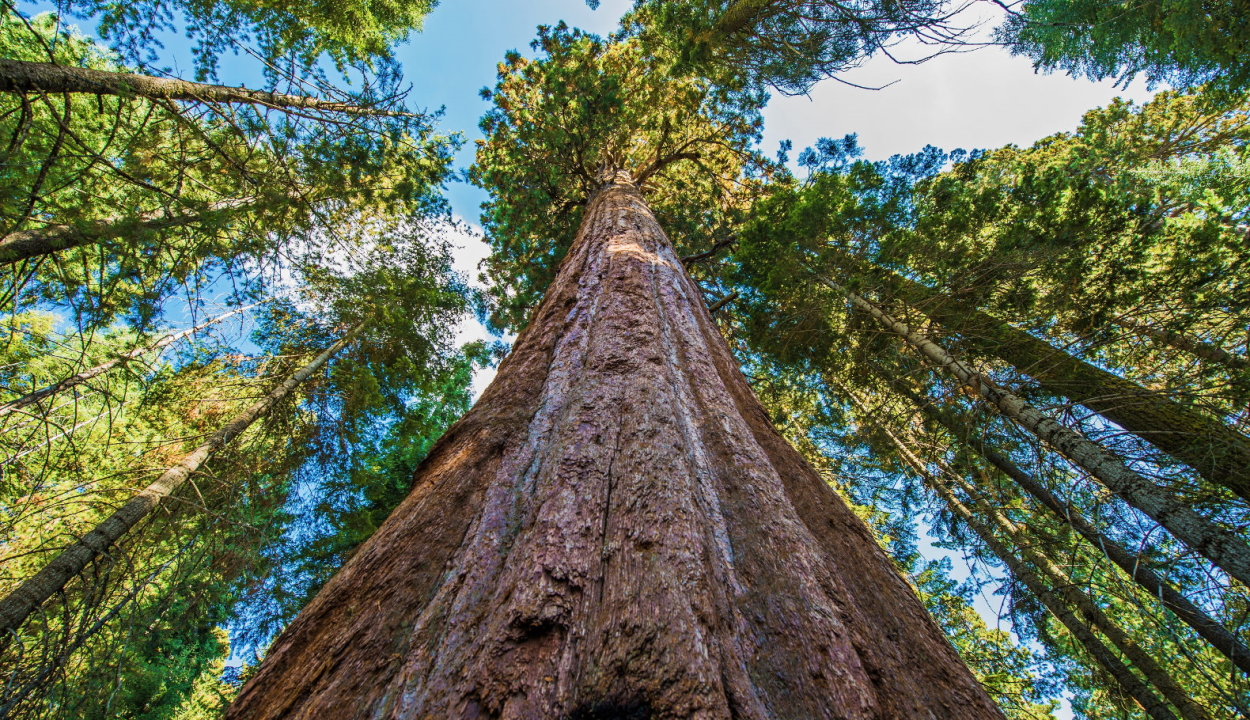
(1027, 369)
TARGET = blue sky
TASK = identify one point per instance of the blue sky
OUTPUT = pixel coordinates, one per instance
(981, 99)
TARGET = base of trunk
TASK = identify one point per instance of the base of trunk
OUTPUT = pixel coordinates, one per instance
(616, 530)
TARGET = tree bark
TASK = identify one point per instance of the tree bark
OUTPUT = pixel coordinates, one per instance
(1155, 674)
(27, 244)
(1215, 450)
(1137, 567)
(1198, 348)
(23, 76)
(31, 594)
(95, 372)
(1057, 601)
(1225, 549)
(616, 530)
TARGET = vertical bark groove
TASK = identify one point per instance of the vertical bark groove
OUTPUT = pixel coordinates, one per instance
(633, 535)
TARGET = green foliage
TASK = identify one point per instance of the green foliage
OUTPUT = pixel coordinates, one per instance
(256, 185)
(140, 629)
(1179, 42)
(789, 45)
(290, 36)
(1011, 673)
(587, 106)
(132, 636)
(1140, 213)
(348, 493)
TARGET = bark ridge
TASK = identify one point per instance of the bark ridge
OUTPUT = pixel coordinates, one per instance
(616, 527)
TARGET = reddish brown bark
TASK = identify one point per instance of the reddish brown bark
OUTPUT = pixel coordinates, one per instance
(616, 530)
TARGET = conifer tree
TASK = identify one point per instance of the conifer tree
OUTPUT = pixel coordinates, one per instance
(614, 528)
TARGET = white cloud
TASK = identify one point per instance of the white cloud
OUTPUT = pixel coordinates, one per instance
(470, 248)
(980, 99)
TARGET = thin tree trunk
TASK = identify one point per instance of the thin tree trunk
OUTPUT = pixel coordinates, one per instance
(1137, 567)
(31, 594)
(1215, 450)
(616, 530)
(102, 368)
(1057, 601)
(27, 244)
(1198, 348)
(22, 76)
(1205, 537)
(1155, 674)
(720, 304)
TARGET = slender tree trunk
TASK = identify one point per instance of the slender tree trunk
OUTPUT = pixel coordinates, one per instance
(104, 367)
(1215, 450)
(1225, 549)
(616, 530)
(1135, 565)
(22, 76)
(1154, 673)
(1198, 348)
(31, 594)
(27, 244)
(1057, 601)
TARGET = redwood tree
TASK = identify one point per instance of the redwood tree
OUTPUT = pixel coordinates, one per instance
(615, 529)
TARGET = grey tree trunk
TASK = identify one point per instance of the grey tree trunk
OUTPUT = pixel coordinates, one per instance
(1155, 674)
(1215, 450)
(616, 530)
(23, 76)
(1056, 602)
(1198, 348)
(28, 244)
(1134, 564)
(1225, 549)
(31, 594)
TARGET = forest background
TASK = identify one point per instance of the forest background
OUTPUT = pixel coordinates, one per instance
(985, 99)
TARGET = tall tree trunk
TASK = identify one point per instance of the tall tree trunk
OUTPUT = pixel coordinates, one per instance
(1058, 601)
(1158, 676)
(121, 359)
(34, 592)
(616, 530)
(23, 76)
(27, 244)
(1215, 450)
(1135, 565)
(1220, 546)
(1198, 348)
